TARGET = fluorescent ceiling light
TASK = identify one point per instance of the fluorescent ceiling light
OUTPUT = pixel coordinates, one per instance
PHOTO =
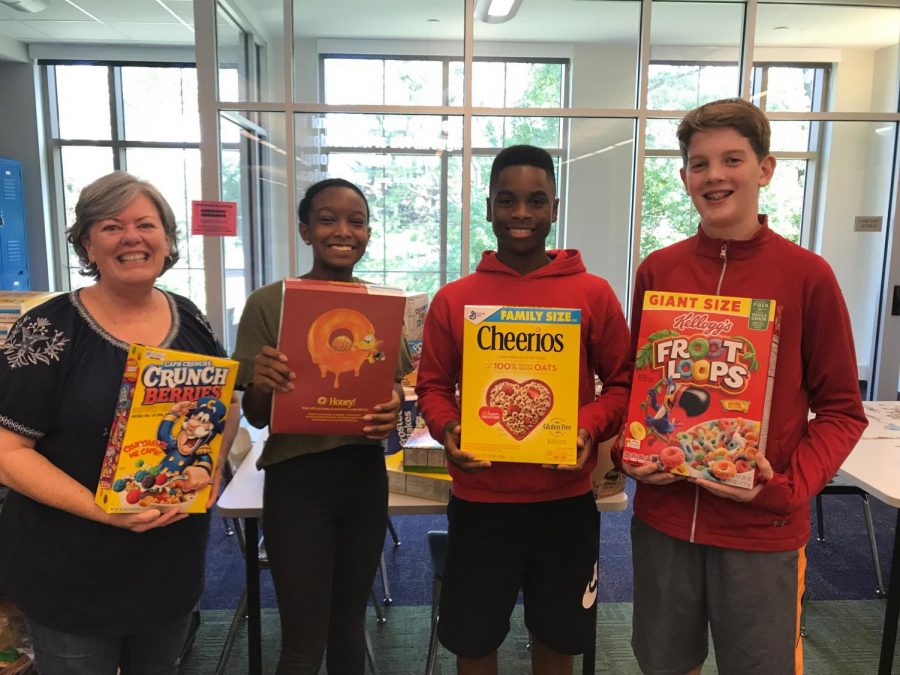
(496, 11)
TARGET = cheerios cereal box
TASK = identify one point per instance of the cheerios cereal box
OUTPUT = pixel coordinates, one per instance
(165, 437)
(702, 387)
(520, 383)
(342, 341)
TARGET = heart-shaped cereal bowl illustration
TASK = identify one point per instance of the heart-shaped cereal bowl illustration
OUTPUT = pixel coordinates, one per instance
(523, 405)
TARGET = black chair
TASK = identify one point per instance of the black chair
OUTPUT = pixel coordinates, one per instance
(838, 487)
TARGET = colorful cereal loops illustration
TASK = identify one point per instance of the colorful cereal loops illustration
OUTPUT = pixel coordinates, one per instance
(523, 405)
(722, 448)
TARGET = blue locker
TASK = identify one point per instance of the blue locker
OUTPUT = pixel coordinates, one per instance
(13, 246)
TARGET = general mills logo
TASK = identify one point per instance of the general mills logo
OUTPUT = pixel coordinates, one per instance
(472, 315)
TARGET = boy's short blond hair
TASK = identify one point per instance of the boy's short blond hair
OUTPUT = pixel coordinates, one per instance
(734, 113)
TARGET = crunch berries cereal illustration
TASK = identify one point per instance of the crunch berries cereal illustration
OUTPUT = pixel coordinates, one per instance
(702, 385)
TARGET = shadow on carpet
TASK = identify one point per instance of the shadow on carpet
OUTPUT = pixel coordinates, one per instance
(844, 639)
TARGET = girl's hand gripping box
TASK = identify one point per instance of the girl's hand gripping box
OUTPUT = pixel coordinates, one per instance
(520, 384)
(702, 385)
(164, 441)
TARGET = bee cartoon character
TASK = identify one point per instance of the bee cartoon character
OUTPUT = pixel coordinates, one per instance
(187, 452)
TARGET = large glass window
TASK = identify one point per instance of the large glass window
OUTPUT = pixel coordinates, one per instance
(132, 118)
(667, 213)
(411, 164)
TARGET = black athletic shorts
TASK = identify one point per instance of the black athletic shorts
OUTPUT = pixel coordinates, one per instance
(546, 549)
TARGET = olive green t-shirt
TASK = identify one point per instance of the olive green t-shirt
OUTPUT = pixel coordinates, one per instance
(259, 326)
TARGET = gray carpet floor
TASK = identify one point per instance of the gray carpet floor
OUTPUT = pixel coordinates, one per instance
(844, 639)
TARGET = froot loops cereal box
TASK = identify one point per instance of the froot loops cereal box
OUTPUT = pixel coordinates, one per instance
(702, 385)
(342, 340)
(167, 430)
(520, 383)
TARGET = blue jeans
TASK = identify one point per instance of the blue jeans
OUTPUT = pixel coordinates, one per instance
(155, 652)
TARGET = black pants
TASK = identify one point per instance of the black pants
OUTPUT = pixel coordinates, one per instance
(324, 518)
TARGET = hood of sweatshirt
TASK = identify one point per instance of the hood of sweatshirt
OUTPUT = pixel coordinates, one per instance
(562, 263)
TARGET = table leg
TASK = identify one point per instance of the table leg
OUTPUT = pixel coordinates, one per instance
(589, 658)
(251, 560)
(892, 609)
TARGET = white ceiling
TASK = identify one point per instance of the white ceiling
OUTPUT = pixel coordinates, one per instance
(168, 22)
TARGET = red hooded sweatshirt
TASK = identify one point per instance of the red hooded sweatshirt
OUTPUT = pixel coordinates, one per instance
(563, 282)
(815, 370)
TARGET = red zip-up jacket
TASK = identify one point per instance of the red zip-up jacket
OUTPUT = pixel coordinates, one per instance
(816, 370)
(563, 282)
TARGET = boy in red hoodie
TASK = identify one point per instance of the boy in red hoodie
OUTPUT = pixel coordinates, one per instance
(523, 526)
(708, 556)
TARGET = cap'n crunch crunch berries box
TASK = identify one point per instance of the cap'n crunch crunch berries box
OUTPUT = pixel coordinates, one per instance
(165, 437)
(342, 340)
(520, 383)
(702, 385)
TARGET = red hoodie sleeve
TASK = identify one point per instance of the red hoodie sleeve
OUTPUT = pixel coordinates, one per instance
(439, 368)
(830, 376)
(609, 356)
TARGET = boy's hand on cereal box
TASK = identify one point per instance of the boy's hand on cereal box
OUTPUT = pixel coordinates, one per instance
(465, 461)
(384, 420)
(271, 372)
(764, 471)
(144, 520)
(585, 447)
(650, 473)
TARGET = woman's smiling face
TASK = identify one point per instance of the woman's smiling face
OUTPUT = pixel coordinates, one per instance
(131, 246)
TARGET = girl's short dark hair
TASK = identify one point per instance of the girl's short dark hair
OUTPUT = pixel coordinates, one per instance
(108, 196)
(314, 189)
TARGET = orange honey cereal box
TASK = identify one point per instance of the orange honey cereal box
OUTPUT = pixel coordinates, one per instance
(702, 387)
(165, 436)
(342, 340)
(520, 383)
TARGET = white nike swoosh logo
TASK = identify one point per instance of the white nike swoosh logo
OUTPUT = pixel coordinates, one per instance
(590, 591)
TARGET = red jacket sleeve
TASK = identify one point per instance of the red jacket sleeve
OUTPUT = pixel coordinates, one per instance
(609, 356)
(439, 368)
(830, 376)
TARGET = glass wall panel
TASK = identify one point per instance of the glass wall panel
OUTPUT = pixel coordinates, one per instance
(690, 67)
(595, 161)
(859, 45)
(855, 180)
(253, 174)
(591, 49)
(425, 34)
(176, 174)
(408, 167)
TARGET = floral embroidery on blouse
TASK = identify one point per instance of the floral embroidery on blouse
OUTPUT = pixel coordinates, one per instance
(33, 341)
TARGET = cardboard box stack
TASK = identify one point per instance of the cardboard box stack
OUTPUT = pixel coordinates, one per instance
(413, 328)
(14, 304)
(434, 486)
(702, 385)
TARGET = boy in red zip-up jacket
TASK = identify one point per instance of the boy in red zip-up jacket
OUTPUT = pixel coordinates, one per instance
(717, 557)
